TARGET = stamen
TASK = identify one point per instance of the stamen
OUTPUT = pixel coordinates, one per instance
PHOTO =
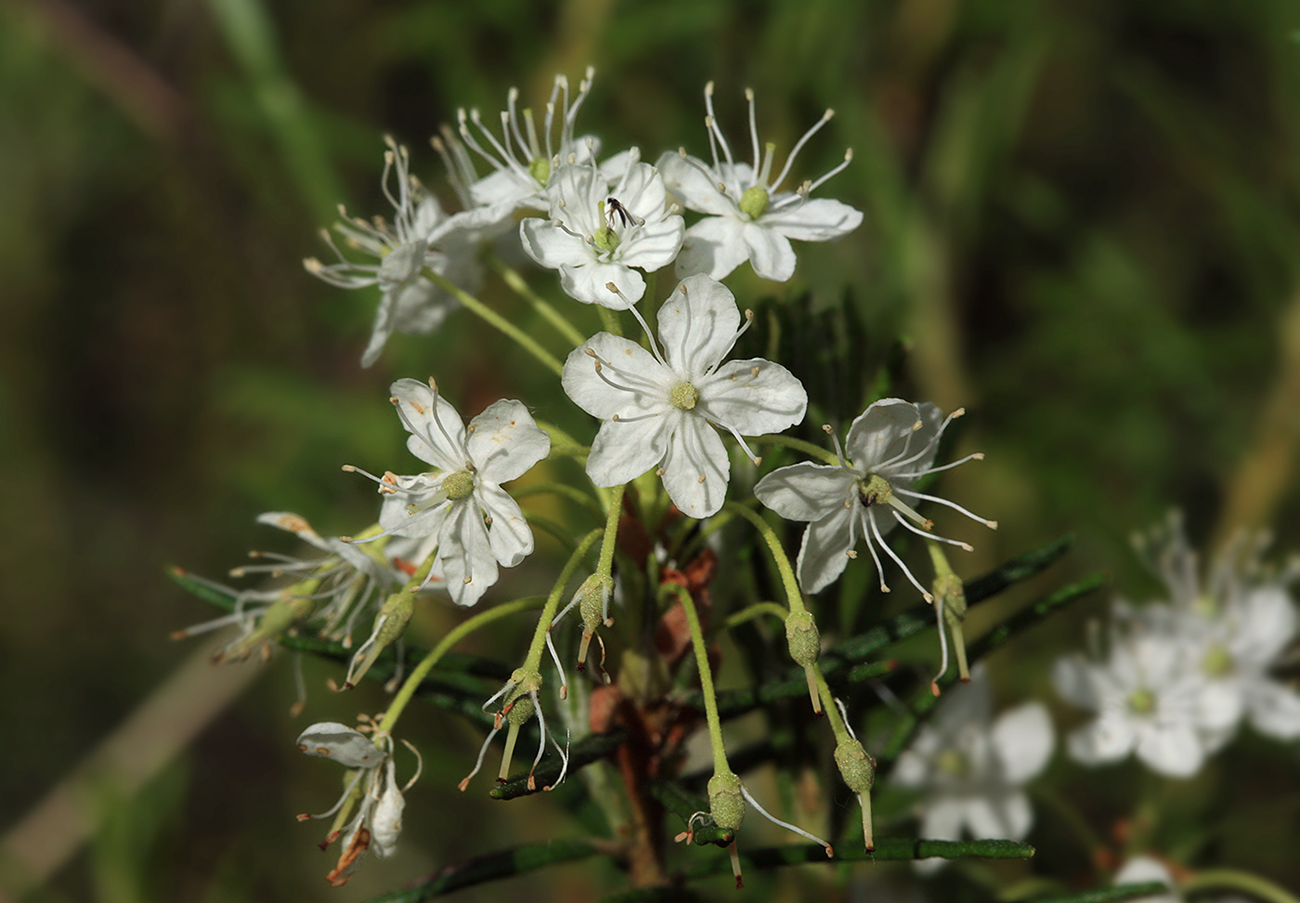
(464, 782)
(753, 124)
(564, 761)
(711, 121)
(965, 547)
(875, 531)
(347, 792)
(785, 824)
(813, 186)
(943, 646)
(917, 474)
(864, 517)
(555, 657)
(991, 524)
(789, 161)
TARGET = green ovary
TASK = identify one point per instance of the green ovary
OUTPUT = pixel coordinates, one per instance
(952, 763)
(1143, 702)
(754, 201)
(606, 239)
(540, 169)
(1217, 662)
(458, 485)
(684, 396)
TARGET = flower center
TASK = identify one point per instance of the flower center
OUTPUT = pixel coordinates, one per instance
(684, 396)
(952, 762)
(1217, 662)
(754, 201)
(458, 485)
(605, 238)
(874, 490)
(540, 169)
(1142, 702)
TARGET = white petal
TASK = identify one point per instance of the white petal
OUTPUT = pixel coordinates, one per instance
(1267, 623)
(437, 437)
(815, 220)
(1171, 749)
(505, 441)
(769, 252)
(690, 180)
(754, 396)
(1144, 870)
(386, 822)
(464, 551)
(1274, 709)
(645, 391)
(1023, 739)
(1074, 680)
(824, 551)
(331, 740)
(656, 245)
(1004, 814)
(589, 284)
(426, 521)
(509, 536)
(551, 246)
(943, 819)
(623, 450)
(882, 432)
(713, 247)
(1220, 704)
(806, 491)
(697, 326)
(1107, 739)
(696, 468)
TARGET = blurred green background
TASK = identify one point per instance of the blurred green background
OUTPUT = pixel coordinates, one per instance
(1082, 216)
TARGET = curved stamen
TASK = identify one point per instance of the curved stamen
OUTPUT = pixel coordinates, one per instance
(711, 122)
(943, 646)
(464, 782)
(784, 824)
(917, 474)
(789, 161)
(638, 384)
(813, 186)
(347, 792)
(875, 531)
(753, 124)
(865, 516)
(992, 524)
(965, 547)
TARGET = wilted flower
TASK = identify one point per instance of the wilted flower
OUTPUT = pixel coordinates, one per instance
(973, 771)
(378, 820)
(889, 447)
(749, 216)
(661, 409)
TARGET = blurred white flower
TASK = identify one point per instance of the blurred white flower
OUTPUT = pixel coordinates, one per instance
(1144, 870)
(748, 216)
(599, 229)
(890, 445)
(972, 772)
(461, 506)
(1148, 699)
(1236, 625)
(661, 409)
(421, 235)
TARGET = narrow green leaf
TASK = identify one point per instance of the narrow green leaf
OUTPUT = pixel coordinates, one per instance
(1107, 894)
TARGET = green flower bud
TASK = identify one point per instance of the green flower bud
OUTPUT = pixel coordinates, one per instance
(856, 767)
(726, 803)
(390, 624)
(804, 638)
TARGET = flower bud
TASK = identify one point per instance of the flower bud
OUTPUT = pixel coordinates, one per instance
(726, 803)
(856, 767)
(390, 624)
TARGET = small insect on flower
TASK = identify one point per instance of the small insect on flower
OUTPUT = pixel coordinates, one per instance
(614, 209)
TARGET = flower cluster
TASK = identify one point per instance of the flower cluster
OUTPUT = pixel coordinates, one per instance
(1181, 676)
(674, 406)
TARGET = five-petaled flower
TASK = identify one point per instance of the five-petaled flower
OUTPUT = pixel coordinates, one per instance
(461, 506)
(600, 227)
(748, 216)
(889, 446)
(660, 408)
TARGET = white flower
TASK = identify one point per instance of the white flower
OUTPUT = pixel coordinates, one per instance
(524, 165)
(461, 506)
(749, 217)
(1237, 624)
(600, 228)
(378, 821)
(972, 773)
(420, 236)
(889, 446)
(1148, 700)
(660, 409)
(1144, 870)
